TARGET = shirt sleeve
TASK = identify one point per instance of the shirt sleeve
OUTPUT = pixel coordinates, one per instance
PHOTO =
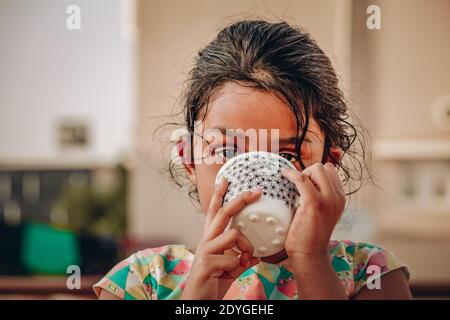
(370, 263)
(125, 280)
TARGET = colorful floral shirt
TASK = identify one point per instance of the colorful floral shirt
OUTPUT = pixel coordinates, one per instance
(160, 273)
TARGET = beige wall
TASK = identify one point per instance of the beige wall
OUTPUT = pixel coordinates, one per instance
(401, 69)
(397, 74)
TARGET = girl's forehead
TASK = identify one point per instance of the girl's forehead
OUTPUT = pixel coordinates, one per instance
(233, 106)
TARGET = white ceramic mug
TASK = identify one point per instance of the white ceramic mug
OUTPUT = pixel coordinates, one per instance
(265, 222)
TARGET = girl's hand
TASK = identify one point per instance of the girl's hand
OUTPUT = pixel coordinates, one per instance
(322, 201)
(216, 264)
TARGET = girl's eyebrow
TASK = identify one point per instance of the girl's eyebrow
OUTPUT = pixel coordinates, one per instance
(234, 133)
(290, 140)
(229, 132)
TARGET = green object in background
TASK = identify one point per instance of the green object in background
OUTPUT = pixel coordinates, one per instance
(47, 250)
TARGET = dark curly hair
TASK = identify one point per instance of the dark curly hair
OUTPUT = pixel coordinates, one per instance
(286, 61)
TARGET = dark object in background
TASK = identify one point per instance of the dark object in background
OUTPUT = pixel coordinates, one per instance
(33, 193)
(10, 249)
(98, 254)
(84, 207)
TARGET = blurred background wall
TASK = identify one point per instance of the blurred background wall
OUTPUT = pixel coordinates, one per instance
(67, 118)
(401, 77)
(51, 75)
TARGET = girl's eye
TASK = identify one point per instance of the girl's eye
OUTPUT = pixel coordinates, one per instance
(227, 153)
(289, 156)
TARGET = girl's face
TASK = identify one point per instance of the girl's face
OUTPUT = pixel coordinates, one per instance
(236, 107)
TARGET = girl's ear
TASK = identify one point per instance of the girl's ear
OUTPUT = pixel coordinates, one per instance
(183, 148)
(334, 155)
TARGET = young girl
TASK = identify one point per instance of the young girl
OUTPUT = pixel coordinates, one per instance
(261, 75)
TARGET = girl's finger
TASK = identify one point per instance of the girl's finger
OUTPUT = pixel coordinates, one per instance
(334, 178)
(223, 216)
(216, 201)
(246, 259)
(228, 240)
(319, 176)
(304, 185)
(246, 262)
(218, 264)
